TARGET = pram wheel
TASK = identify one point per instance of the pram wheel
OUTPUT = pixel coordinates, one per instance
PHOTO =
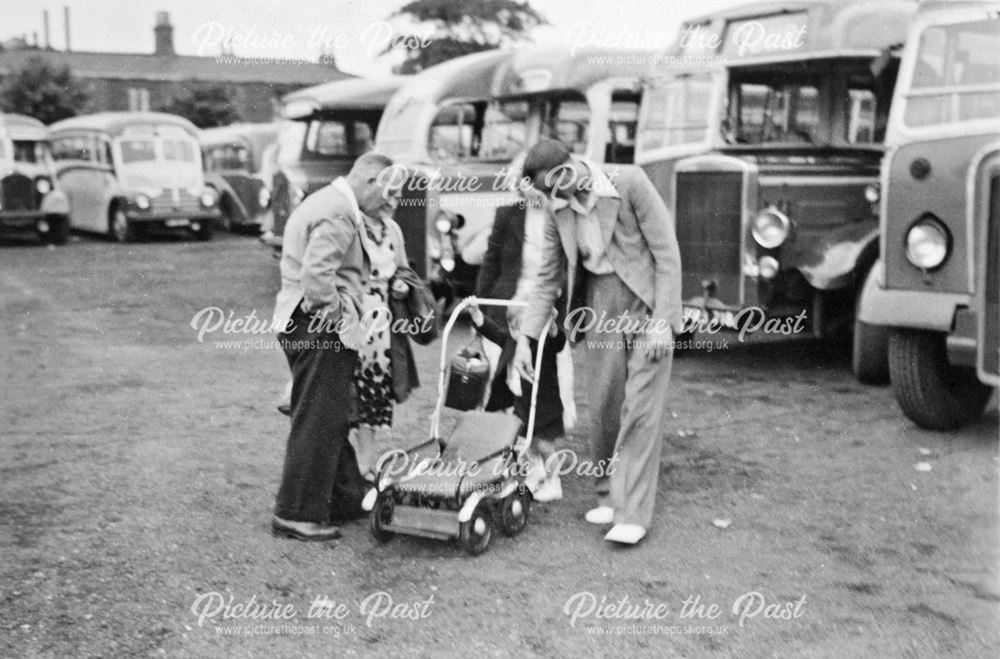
(514, 510)
(381, 516)
(475, 534)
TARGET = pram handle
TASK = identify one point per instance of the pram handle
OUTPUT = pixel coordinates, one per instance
(486, 302)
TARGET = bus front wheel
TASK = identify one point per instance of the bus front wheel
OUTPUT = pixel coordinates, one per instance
(931, 392)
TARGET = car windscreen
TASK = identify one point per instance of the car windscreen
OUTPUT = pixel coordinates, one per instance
(136, 150)
(227, 157)
(31, 151)
(179, 150)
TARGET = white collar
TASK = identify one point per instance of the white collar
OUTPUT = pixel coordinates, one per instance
(599, 186)
(340, 183)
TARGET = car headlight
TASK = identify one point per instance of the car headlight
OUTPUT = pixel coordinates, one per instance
(770, 228)
(207, 198)
(927, 243)
(43, 185)
(447, 263)
(872, 194)
(142, 202)
(264, 197)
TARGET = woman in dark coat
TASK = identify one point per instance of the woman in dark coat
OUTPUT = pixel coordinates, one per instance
(507, 272)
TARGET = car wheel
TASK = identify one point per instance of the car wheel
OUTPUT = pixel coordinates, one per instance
(58, 232)
(121, 229)
(931, 392)
(476, 533)
(381, 517)
(514, 511)
(869, 348)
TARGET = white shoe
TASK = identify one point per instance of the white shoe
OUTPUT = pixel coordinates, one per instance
(627, 534)
(549, 489)
(536, 471)
(600, 515)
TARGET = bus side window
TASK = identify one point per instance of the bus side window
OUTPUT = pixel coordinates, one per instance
(622, 125)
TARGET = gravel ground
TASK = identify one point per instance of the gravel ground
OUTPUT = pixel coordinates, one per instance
(138, 468)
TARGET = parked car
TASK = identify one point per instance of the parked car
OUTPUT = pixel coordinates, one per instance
(30, 198)
(763, 131)
(235, 161)
(125, 172)
(938, 281)
(322, 131)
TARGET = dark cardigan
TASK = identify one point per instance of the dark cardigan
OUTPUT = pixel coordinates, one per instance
(498, 278)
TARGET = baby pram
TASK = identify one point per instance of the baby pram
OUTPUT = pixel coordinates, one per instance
(463, 487)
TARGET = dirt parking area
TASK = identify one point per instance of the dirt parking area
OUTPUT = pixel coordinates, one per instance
(799, 513)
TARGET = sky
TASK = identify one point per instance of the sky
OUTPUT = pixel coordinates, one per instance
(355, 31)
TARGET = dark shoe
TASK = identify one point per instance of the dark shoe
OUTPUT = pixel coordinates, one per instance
(303, 530)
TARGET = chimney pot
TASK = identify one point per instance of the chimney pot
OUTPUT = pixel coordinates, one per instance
(163, 34)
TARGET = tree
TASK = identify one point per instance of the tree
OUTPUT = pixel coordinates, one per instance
(43, 91)
(205, 107)
(460, 28)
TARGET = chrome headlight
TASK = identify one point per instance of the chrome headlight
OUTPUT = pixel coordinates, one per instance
(43, 185)
(142, 202)
(770, 227)
(208, 198)
(264, 197)
(872, 194)
(927, 243)
(447, 263)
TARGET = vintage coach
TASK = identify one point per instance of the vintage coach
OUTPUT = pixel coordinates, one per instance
(937, 285)
(764, 131)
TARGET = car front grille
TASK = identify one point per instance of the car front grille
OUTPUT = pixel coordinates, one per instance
(18, 193)
(179, 202)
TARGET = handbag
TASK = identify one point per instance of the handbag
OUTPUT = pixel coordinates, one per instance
(468, 375)
(417, 308)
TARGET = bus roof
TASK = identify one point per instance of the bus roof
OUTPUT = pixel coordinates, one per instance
(402, 132)
(21, 126)
(115, 123)
(258, 135)
(779, 29)
(355, 93)
(535, 70)
(470, 76)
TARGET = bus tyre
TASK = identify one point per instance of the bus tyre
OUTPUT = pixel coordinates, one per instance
(58, 232)
(931, 392)
(121, 229)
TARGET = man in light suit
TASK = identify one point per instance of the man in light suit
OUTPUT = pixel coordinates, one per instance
(318, 309)
(611, 236)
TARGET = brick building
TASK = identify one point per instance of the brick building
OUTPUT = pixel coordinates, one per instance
(133, 81)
